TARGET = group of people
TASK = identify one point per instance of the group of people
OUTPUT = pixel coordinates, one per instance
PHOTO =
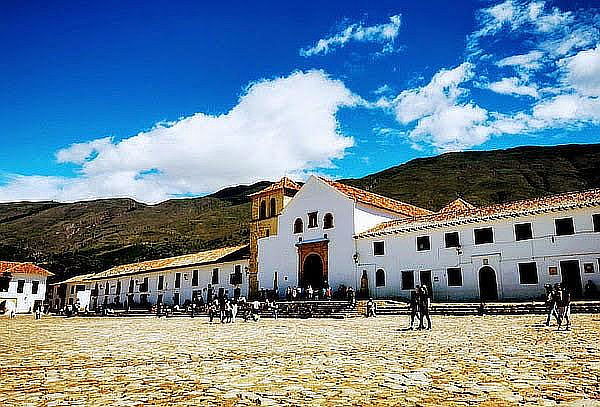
(226, 310)
(558, 303)
(420, 300)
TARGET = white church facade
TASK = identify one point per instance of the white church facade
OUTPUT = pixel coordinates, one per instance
(329, 233)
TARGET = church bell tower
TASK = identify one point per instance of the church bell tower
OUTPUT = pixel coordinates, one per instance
(267, 204)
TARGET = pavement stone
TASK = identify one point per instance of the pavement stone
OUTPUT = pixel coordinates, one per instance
(463, 361)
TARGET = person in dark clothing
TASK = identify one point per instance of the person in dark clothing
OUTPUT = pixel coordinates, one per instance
(424, 307)
(371, 308)
(351, 297)
(564, 307)
(414, 306)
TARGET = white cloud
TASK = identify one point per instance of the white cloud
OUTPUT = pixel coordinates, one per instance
(282, 126)
(513, 86)
(383, 33)
(583, 71)
(78, 153)
(529, 61)
(440, 93)
(444, 121)
(568, 109)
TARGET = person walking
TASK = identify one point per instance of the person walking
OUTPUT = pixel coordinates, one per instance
(564, 307)
(550, 304)
(371, 308)
(424, 302)
(414, 306)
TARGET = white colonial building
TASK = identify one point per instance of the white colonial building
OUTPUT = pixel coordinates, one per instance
(172, 281)
(22, 286)
(332, 233)
(315, 242)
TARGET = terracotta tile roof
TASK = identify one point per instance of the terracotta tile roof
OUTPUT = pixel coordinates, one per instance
(194, 259)
(457, 205)
(566, 201)
(378, 201)
(283, 183)
(76, 279)
(22, 268)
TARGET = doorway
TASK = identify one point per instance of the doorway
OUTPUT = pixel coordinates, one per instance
(571, 277)
(313, 271)
(488, 287)
(426, 281)
(364, 285)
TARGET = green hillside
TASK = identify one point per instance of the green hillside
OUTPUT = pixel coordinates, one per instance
(74, 238)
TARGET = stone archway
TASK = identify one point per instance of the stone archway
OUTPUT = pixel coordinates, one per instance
(313, 263)
(488, 286)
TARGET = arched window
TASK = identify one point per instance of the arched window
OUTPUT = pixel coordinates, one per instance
(328, 221)
(380, 278)
(263, 210)
(298, 226)
(273, 207)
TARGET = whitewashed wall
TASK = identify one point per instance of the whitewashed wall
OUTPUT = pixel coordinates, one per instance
(186, 289)
(546, 249)
(24, 301)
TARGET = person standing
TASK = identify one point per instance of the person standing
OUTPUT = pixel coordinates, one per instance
(424, 302)
(38, 311)
(414, 306)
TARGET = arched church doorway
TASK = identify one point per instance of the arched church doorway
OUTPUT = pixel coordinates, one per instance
(313, 271)
(488, 287)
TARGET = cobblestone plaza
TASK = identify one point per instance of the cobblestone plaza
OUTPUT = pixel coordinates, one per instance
(492, 360)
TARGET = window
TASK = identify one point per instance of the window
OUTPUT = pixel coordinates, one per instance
(588, 267)
(195, 278)
(523, 231)
(298, 226)
(484, 235)
(72, 289)
(161, 282)
(380, 278)
(21, 286)
(378, 248)
(564, 226)
(408, 280)
(528, 273)
(423, 243)
(4, 284)
(451, 239)
(106, 288)
(177, 280)
(312, 220)
(176, 299)
(328, 221)
(454, 277)
(144, 285)
(118, 292)
(263, 210)
(236, 277)
(273, 207)
(215, 276)
(131, 286)
(35, 285)
(596, 220)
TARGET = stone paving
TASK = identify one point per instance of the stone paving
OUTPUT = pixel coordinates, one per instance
(489, 361)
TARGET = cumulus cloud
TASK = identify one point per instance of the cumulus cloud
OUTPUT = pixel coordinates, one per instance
(513, 86)
(383, 33)
(285, 125)
(443, 118)
(582, 72)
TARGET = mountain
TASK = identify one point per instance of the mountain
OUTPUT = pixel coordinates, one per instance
(82, 237)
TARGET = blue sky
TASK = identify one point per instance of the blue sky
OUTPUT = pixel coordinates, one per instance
(156, 99)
